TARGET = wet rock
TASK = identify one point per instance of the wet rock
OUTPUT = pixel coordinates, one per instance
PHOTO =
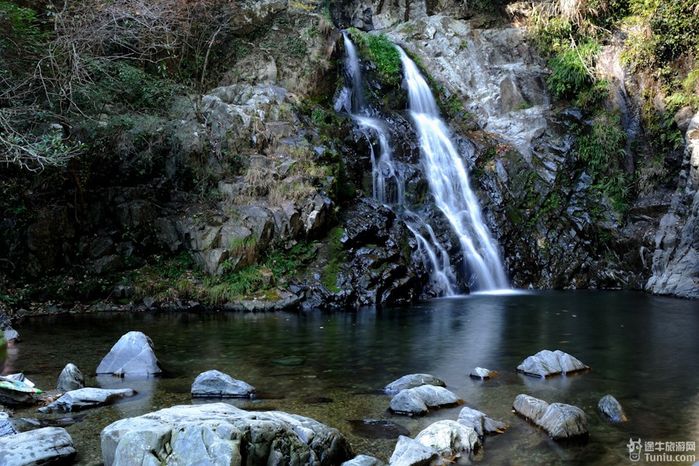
(410, 452)
(186, 434)
(611, 409)
(70, 378)
(131, 355)
(40, 447)
(559, 420)
(216, 384)
(482, 373)
(378, 428)
(6, 425)
(547, 363)
(86, 398)
(412, 381)
(418, 400)
(449, 439)
(363, 460)
(15, 390)
(480, 422)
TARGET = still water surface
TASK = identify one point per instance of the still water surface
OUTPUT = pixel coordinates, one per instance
(644, 350)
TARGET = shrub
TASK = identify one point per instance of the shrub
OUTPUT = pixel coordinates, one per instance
(571, 70)
(382, 53)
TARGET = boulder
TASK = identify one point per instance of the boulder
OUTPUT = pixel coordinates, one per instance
(418, 400)
(449, 439)
(70, 378)
(547, 363)
(482, 373)
(410, 452)
(559, 420)
(40, 447)
(363, 460)
(611, 409)
(6, 425)
(216, 384)
(85, 398)
(131, 355)
(480, 422)
(412, 381)
(221, 434)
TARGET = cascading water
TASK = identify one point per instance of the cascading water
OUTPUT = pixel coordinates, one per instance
(449, 184)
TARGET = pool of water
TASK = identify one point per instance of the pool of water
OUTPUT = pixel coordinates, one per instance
(644, 350)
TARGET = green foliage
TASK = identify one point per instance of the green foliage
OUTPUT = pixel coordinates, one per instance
(675, 24)
(570, 70)
(378, 49)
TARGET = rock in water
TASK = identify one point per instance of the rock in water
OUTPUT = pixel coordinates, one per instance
(16, 390)
(6, 425)
(40, 447)
(611, 408)
(449, 439)
(70, 378)
(412, 381)
(221, 434)
(409, 452)
(131, 355)
(363, 460)
(560, 421)
(418, 400)
(482, 373)
(480, 422)
(216, 384)
(85, 398)
(547, 363)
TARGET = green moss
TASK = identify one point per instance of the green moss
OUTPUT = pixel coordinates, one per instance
(336, 256)
(378, 49)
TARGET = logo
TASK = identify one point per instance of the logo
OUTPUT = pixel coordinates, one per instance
(634, 447)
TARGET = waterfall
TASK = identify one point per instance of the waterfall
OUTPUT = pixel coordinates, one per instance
(448, 180)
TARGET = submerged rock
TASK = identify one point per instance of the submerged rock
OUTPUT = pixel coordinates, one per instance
(223, 434)
(412, 381)
(363, 460)
(449, 439)
(378, 428)
(418, 400)
(216, 384)
(547, 363)
(70, 378)
(480, 422)
(559, 420)
(410, 452)
(482, 373)
(611, 409)
(85, 398)
(40, 447)
(131, 355)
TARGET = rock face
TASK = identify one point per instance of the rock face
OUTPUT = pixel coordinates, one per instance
(418, 400)
(132, 355)
(611, 409)
(85, 398)
(70, 378)
(546, 363)
(412, 381)
(216, 384)
(410, 452)
(480, 422)
(40, 447)
(221, 434)
(560, 421)
(450, 439)
(676, 257)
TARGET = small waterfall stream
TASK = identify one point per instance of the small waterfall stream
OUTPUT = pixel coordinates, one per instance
(446, 174)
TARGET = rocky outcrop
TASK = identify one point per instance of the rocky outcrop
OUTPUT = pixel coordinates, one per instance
(559, 420)
(40, 447)
(546, 363)
(412, 381)
(224, 434)
(418, 400)
(676, 257)
(70, 378)
(216, 384)
(132, 355)
(611, 409)
(86, 398)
